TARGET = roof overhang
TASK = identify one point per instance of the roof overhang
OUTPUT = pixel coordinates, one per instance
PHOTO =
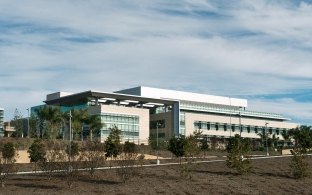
(85, 96)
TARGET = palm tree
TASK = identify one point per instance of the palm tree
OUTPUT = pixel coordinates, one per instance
(286, 135)
(263, 137)
(94, 122)
(79, 118)
(50, 118)
(275, 140)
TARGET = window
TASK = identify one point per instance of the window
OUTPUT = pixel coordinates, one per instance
(161, 124)
(128, 124)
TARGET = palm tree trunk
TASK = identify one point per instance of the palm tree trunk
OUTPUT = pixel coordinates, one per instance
(91, 134)
(82, 133)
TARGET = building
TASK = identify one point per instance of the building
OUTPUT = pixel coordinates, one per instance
(141, 112)
(1, 122)
(131, 114)
(8, 129)
(216, 115)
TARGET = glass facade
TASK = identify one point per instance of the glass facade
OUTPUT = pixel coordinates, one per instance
(1, 123)
(182, 123)
(75, 107)
(128, 124)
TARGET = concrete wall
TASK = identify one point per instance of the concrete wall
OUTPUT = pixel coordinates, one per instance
(168, 130)
(23, 156)
(141, 112)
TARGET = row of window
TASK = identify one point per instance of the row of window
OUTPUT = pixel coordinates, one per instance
(236, 127)
(128, 124)
(122, 127)
(120, 118)
(124, 134)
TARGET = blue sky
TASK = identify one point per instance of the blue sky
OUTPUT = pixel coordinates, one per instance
(260, 50)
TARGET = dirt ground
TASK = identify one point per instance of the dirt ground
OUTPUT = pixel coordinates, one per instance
(269, 176)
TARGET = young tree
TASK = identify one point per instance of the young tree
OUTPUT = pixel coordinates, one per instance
(7, 160)
(152, 142)
(127, 161)
(238, 154)
(177, 146)
(70, 172)
(37, 152)
(55, 154)
(204, 146)
(92, 155)
(8, 152)
(74, 150)
(303, 141)
(17, 123)
(112, 143)
(192, 147)
(213, 142)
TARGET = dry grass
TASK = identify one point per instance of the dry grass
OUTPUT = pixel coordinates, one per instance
(269, 176)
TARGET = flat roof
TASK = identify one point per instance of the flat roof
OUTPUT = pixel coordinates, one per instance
(83, 96)
(184, 96)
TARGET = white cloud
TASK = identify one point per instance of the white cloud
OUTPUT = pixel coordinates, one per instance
(245, 48)
(299, 112)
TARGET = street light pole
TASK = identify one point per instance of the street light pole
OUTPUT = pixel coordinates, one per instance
(266, 139)
(28, 126)
(240, 124)
(157, 143)
(70, 136)
(230, 117)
